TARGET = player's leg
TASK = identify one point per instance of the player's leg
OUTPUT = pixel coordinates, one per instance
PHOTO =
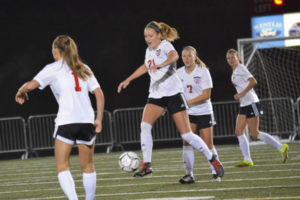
(188, 160)
(207, 136)
(62, 154)
(151, 113)
(253, 124)
(182, 123)
(85, 140)
(86, 157)
(241, 123)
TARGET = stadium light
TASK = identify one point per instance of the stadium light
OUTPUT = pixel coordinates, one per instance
(278, 2)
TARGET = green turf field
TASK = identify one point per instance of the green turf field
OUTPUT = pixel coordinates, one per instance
(268, 179)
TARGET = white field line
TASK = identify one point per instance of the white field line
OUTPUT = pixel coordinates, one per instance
(181, 198)
(77, 173)
(264, 198)
(113, 159)
(29, 170)
(131, 178)
(175, 191)
(224, 150)
(37, 169)
(156, 183)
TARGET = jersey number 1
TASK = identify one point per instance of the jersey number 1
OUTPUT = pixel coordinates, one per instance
(77, 87)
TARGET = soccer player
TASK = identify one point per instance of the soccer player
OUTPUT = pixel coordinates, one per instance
(70, 81)
(197, 85)
(249, 112)
(165, 92)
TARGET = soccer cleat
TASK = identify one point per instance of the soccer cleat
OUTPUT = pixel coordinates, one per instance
(217, 165)
(187, 179)
(216, 178)
(144, 170)
(245, 163)
(284, 152)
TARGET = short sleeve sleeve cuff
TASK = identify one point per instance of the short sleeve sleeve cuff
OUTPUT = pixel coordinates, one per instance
(42, 85)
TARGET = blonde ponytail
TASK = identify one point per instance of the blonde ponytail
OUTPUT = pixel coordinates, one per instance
(68, 50)
(167, 32)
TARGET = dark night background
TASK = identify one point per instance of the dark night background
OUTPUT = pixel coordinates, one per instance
(109, 35)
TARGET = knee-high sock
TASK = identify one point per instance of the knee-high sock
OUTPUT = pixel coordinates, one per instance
(67, 184)
(196, 142)
(188, 159)
(268, 139)
(244, 146)
(89, 182)
(146, 141)
(213, 151)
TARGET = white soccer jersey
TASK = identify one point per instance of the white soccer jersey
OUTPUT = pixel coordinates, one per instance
(240, 81)
(165, 81)
(71, 93)
(194, 84)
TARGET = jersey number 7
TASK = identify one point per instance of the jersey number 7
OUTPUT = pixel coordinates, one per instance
(190, 87)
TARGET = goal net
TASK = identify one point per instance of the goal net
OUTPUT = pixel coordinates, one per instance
(277, 71)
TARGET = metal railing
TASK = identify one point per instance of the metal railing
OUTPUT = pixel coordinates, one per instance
(278, 117)
(281, 117)
(127, 126)
(225, 113)
(41, 129)
(13, 135)
(297, 106)
(106, 136)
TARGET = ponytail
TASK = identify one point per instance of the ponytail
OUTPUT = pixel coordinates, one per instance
(68, 50)
(167, 32)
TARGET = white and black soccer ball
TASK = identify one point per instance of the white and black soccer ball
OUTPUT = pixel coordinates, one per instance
(129, 161)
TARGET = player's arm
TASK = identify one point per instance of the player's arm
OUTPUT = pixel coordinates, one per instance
(172, 57)
(137, 73)
(252, 83)
(100, 108)
(201, 98)
(22, 95)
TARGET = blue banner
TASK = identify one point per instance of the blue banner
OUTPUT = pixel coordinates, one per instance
(266, 27)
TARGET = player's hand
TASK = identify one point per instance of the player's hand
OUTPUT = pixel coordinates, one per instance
(98, 126)
(123, 85)
(21, 97)
(237, 96)
(154, 68)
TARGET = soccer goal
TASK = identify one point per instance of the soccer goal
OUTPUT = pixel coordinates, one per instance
(275, 64)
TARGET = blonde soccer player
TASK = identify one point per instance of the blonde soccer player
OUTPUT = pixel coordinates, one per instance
(249, 112)
(70, 81)
(165, 92)
(197, 85)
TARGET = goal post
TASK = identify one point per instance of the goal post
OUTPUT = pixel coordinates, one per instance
(275, 64)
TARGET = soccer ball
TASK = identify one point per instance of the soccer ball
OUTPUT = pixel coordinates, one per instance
(129, 161)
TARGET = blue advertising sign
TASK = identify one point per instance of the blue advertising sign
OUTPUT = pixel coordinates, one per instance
(266, 27)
